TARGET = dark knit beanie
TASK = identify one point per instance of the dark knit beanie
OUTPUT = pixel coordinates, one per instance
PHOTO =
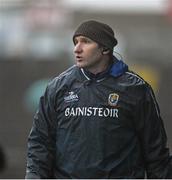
(99, 32)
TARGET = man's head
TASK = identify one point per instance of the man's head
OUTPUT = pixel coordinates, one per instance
(94, 43)
(99, 32)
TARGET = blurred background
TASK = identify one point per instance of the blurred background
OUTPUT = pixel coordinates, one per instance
(36, 45)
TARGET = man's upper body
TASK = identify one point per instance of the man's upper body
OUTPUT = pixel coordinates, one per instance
(98, 119)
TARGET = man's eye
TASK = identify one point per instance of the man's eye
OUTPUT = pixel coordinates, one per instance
(86, 41)
(75, 43)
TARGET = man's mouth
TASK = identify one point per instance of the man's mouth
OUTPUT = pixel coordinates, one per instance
(79, 58)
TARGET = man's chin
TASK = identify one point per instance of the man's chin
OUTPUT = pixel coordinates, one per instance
(80, 65)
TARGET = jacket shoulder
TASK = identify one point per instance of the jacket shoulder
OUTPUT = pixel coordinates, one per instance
(64, 76)
(61, 80)
(130, 78)
(134, 85)
(67, 73)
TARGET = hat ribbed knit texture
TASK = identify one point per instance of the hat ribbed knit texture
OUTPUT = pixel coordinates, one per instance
(99, 32)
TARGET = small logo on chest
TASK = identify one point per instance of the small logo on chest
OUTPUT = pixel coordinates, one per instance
(71, 97)
(113, 99)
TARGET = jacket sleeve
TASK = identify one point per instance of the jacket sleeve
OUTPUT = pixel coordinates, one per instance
(152, 136)
(41, 141)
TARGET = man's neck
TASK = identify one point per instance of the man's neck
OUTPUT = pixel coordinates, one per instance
(103, 66)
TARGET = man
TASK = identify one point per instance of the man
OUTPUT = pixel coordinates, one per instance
(97, 119)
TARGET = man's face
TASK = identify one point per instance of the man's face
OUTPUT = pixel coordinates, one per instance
(87, 53)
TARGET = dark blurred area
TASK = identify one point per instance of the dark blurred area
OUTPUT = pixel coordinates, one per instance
(36, 45)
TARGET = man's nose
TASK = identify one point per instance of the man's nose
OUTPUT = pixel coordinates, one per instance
(78, 48)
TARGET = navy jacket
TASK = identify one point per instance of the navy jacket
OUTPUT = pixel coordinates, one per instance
(98, 126)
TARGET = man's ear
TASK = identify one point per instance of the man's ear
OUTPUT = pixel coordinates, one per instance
(105, 50)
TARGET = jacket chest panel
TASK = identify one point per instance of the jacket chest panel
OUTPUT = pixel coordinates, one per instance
(96, 103)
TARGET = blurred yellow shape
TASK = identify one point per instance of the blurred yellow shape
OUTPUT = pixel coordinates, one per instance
(149, 74)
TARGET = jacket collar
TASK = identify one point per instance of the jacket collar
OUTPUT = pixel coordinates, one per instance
(117, 68)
